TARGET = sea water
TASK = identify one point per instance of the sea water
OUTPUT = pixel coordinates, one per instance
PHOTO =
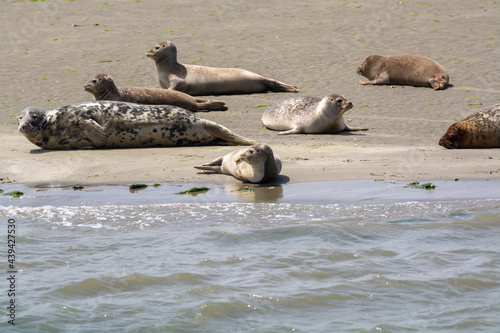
(348, 256)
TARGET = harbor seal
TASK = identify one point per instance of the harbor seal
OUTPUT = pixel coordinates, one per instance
(403, 69)
(111, 124)
(102, 87)
(310, 115)
(200, 80)
(256, 164)
(479, 130)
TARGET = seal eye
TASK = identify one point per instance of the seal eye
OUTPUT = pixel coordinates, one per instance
(250, 151)
(94, 81)
(157, 48)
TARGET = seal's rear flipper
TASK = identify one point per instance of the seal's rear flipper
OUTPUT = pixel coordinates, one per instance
(228, 136)
(211, 105)
(214, 166)
(352, 129)
(278, 86)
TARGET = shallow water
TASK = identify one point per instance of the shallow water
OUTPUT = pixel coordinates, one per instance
(353, 256)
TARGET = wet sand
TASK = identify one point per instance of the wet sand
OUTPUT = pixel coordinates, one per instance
(50, 50)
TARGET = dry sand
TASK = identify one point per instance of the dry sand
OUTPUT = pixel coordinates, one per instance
(49, 50)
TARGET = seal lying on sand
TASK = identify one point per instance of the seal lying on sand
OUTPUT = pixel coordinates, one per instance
(403, 69)
(479, 130)
(110, 124)
(199, 80)
(256, 164)
(103, 87)
(309, 115)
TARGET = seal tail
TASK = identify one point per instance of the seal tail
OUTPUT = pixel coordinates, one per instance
(229, 137)
(277, 86)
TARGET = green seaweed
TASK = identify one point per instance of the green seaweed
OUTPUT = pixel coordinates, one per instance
(426, 186)
(15, 194)
(259, 106)
(194, 190)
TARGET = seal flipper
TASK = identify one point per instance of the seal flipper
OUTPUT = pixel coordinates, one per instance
(225, 134)
(214, 166)
(94, 132)
(177, 84)
(352, 129)
(295, 130)
(277, 86)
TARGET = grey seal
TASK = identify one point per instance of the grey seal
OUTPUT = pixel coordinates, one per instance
(403, 69)
(111, 124)
(479, 130)
(103, 87)
(310, 115)
(200, 80)
(256, 164)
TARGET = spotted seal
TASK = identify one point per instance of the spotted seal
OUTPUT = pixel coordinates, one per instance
(111, 124)
(403, 69)
(309, 115)
(256, 164)
(479, 130)
(200, 80)
(102, 87)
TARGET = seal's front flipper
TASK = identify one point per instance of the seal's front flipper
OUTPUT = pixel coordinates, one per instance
(295, 130)
(177, 84)
(94, 132)
(214, 166)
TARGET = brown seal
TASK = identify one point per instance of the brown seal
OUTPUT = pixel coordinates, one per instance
(309, 115)
(256, 164)
(479, 130)
(403, 69)
(200, 80)
(111, 124)
(103, 87)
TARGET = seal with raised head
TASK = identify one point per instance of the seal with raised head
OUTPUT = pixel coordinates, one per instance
(403, 69)
(102, 87)
(309, 115)
(257, 164)
(479, 130)
(111, 124)
(200, 80)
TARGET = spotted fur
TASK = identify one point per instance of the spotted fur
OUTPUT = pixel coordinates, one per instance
(110, 124)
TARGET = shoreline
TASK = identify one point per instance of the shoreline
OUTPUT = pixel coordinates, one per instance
(342, 192)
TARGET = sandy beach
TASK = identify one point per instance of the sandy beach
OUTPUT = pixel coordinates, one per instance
(51, 49)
